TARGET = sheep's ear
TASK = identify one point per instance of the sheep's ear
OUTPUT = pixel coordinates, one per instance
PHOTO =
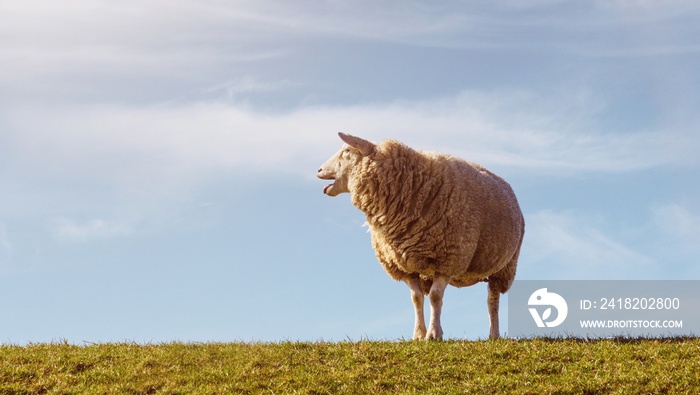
(365, 147)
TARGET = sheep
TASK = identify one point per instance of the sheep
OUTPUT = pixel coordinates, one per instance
(435, 219)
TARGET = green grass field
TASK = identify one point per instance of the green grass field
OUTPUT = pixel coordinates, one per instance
(533, 366)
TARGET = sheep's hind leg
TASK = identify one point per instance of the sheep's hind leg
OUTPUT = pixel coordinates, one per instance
(493, 302)
(436, 293)
(417, 298)
(499, 283)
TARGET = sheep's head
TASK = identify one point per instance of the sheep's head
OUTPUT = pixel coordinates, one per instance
(339, 166)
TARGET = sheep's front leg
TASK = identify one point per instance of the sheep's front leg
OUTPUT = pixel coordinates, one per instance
(417, 297)
(436, 293)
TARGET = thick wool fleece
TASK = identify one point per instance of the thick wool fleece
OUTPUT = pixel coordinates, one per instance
(434, 214)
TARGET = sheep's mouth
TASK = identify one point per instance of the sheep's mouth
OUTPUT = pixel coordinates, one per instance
(325, 189)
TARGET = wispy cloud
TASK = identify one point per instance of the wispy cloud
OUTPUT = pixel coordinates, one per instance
(68, 230)
(182, 37)
(494, 129)
(81, 46)
(570, 245)
(235, 90)
(679, 224)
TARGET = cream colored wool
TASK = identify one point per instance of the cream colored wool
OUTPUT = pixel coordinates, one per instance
(432, 216)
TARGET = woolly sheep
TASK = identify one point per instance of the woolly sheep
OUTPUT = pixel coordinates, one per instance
(435, 219)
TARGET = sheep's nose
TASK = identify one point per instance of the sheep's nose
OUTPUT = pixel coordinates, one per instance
(319, 170)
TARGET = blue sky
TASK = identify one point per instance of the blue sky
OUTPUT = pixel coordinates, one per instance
(158, 159)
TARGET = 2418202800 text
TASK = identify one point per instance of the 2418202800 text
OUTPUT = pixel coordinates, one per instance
(648, 303)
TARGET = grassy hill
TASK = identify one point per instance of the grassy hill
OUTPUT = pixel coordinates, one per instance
(533, 366)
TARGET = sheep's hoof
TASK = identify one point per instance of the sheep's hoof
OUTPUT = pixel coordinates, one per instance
(433, 335)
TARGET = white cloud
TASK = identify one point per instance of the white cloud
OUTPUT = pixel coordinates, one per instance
(248, 84)
(67, 230)
(494, 129)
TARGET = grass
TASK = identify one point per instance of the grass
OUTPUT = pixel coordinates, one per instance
(535, 366)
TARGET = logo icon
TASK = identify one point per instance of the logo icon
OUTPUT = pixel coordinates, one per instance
(543, 298)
